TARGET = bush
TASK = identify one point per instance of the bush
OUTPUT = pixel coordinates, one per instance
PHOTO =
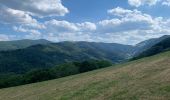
(66, 69)
(38, 75)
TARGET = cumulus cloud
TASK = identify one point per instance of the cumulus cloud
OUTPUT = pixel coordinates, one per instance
(26, 30)
(4, 37)
(9, 15)
(138, 3)
(119, 11)
(60, 26)
(128, 20)
(39, 8)
(87, 26)
(69, 37)
(122, 26)
(24, 12)
(67, 31)
(166, 2)
(59, 30)
(131, 26)
(65, 26)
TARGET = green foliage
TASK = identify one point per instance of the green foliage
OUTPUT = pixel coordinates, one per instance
(8, 80)
(93, 64)
(49, 55)
(66, 69)
(88, 66)
(38, 75)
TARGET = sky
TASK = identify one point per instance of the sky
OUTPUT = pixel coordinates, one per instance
(110, 21)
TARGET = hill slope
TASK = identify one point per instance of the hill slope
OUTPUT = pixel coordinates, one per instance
(50, 55)
(24, 55)
(159, 47)
(144, 45)
(20, 44)
(144, 79)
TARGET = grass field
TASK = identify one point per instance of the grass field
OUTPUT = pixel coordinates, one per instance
(144, 79)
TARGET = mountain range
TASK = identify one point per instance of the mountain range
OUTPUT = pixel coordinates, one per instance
(20, 44)
(52, 54)
(145, 45)
(23, 55)
(161, 46)
(143, 79)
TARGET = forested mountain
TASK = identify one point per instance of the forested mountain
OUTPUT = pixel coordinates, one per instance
(49, 55)
(23, 65)
(20, 44)
(161, 46)
(144, 45)
(22, 55)
(144, 79)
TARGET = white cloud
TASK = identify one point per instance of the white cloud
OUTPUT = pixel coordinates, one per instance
(119, 11)
(87, 26)
(65, 26)
(66, 31)
(26, 30)
(131, 26)
(30, 33)
(4, 37)
(23, 13)
(128, 20)
(138, 3)
(9, 15)
(166, 2)
(69, 37)
(125, 26)
(39, 8)
(60, 26)
(36, 25)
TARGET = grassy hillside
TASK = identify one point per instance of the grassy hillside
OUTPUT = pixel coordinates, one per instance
(144, 79)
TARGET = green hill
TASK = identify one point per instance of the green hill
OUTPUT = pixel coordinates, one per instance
(20, 44)
(162, 46)
(24, 55)
(50, 55)
(144, 79)
(147, 44)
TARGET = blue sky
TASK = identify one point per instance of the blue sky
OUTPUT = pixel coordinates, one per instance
(118, 21)
(90, 10)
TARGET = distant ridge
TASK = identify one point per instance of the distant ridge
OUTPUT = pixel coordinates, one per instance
(144, 45)
(20, 44)
(161, 45)
(52, 54)
(23, 55)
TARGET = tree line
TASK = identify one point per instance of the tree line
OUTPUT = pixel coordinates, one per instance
(38, 75)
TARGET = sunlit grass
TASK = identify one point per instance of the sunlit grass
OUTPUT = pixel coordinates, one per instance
(144, 79)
